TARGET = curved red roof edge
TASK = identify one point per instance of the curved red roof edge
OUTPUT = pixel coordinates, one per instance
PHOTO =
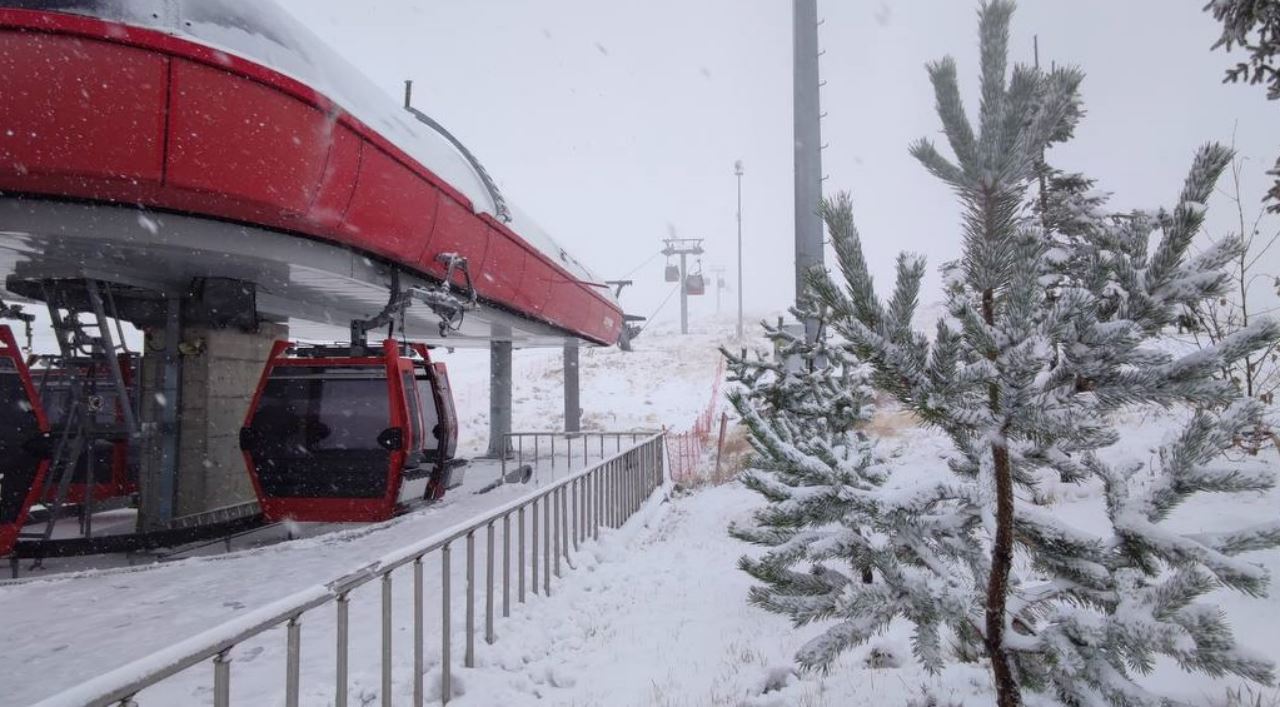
(111, 112)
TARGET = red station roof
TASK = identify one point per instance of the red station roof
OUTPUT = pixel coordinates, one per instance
(234, 111)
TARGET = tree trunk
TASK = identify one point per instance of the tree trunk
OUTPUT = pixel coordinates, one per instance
(1007, 693)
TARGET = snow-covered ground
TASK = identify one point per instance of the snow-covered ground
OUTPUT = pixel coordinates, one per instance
(653, 614)
(660, 618)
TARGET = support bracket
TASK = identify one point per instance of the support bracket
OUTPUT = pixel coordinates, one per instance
(445, 300)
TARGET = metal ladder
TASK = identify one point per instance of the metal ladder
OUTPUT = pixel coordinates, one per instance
(85, 341)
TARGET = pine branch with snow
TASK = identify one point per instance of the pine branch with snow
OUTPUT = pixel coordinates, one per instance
(1254, 27)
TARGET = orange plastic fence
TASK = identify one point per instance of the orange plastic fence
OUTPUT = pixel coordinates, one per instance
(686, 450)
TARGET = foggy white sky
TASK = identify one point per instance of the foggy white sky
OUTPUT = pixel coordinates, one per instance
(610, 121)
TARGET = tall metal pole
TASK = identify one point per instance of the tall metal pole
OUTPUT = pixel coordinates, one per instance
(737, 170)
(808, 146)
(684, 296)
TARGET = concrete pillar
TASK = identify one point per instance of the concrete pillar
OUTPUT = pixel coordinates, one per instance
(160, 386)
(220, 374)
(572, 397)
(499, 396)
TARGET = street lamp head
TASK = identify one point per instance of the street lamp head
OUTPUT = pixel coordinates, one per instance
(737, 168)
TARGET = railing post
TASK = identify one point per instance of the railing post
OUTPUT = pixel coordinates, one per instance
(565, 516)
(642, 457)
(446, 669)
(546, 545)
(608, 496)
(386, 640)
(506, 565)
(489, 636)
(655, 461)
(340, 687)
(662, 461)
(469, 659)
(577, 526)
(520, 554)
(223, 679)
(627, 491)
(603, 493)
(620, 491)
(651, 464)
(417, 632)
(533, 553)
(597, 492)
(555, 520)
(637, 482)
(292, 663)
(642, 474)
(589, 496)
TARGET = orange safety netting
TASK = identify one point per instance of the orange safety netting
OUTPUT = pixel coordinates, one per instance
(685, 450)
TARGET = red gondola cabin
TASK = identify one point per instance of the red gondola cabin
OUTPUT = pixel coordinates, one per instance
(24, 441)
(339, 436)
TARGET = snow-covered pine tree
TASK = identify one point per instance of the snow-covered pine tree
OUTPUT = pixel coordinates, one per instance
(848, 546)
(803, 404)
(1049, 334)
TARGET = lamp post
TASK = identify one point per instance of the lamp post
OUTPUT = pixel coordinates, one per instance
(737, 171)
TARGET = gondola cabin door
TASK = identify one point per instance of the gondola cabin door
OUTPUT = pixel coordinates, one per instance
(436, 439)
(24, 441)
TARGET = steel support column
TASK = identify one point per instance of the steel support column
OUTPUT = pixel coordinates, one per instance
(499, 396)
(161, 408)
(572, 404)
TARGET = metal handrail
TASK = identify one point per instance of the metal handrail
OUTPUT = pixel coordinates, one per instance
(573, 509)
(514, 443)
